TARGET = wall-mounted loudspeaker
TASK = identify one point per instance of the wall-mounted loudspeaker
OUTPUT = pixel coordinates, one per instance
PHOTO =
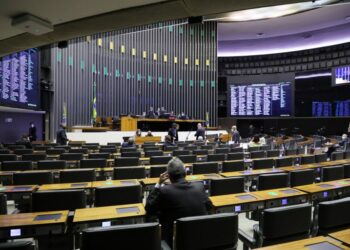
(195, 20)
(62, 44)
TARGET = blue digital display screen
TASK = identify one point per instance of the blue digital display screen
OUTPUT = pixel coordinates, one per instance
(284, 201)
(262, 99)
(322, 109)
(325, 194)
(19, 86)
(341, 75)
(238, 208)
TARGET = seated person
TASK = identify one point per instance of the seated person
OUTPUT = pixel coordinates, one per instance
(178, 199)
(333, 147)
(183, 116)
(255, 142)
(168, 141)
(151, 113)
(138, 133)
(149, 133)
(129, 144)
(262, 139)
(24, 141)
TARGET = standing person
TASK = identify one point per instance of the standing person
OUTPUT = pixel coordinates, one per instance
(178, 199)
(173, 133)
(32, 132)
(200, 132)
(61, 136)
(236, 138)
(251, 131)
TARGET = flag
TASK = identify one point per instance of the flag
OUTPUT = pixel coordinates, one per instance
(64, 114)
(94, 110)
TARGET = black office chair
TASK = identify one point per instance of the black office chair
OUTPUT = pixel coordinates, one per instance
(271, 181)
(253, 149)
(3, 203)
(333, 215)
(71, 156)
(90, 147)
(170, 148)
(34, 157)
(156, 171)
(153, 148)
(257, 154)
(17, 245)
(191, 147)
(347, 171)
(224, 146)
(41, 147)
(200, 152)
(99, 156)
(4, 151)
(115, 144)
(272, 153)
(16, 165)
(58, 200)
(284, 162)
(148, 144)
(188, 158)
(23, 151)
(14, 146)
(51, 164)
(65, 147)
(320, 158)
(76, 143)
(33, 178)
(302, 177)
(224, 186)
(279, 225)
(158, 160)
(208, 147)
(263, 163)
(347, 154)
(202, 228)
(126, 161)
(216, 157)
(153, 153)
(205, 168)
(77, 175)
(309, 159)
(129, 173)
(181, 152)
(78, 150)
(222, 150)
(237, 150)
(118, 195)
(232, 166)
(332, 173)
(108, 150)
(93, 163)
(291, 151)
(337, 156)
(182, 144)
(8, 157)
(235, 156)
(55, 151)
(131, 154)
(138, 236)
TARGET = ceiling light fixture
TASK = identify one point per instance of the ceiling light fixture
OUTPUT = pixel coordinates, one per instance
(32, 24)
(268, 12)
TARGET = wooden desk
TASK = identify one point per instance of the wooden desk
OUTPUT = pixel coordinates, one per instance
(247, 173)
(18, 189)
(315, 165)
(303, 244)
(199, 177)
(258, 200)
(114, 183)
(99, 214)
(325, 190)
(65, 186)
(143, 139)
(131, 124)
(343, 236)
(25, 225)
(89, 129)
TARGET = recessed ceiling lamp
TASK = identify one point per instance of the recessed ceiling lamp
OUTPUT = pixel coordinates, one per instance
(268, 12)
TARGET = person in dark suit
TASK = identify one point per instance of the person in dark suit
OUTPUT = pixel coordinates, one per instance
(200, 132)
(236, 138)
(151, 113)
(178, 199)
(61, 136)
(129, 144)
(173, 133)
(32, 132)
(168, 141)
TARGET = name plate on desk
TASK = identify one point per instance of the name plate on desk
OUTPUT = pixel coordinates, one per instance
(323, 246)
(128, 183)
(289, 191)
(125, 210)
(246, 197)
(42, 217)
(23, 188)
(325, 185)
(79, 185)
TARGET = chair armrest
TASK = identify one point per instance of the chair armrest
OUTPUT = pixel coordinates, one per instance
(246, 239)
(164, 245)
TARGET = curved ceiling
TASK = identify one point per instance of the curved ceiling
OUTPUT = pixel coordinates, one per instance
(74, 18)
(321, 27)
